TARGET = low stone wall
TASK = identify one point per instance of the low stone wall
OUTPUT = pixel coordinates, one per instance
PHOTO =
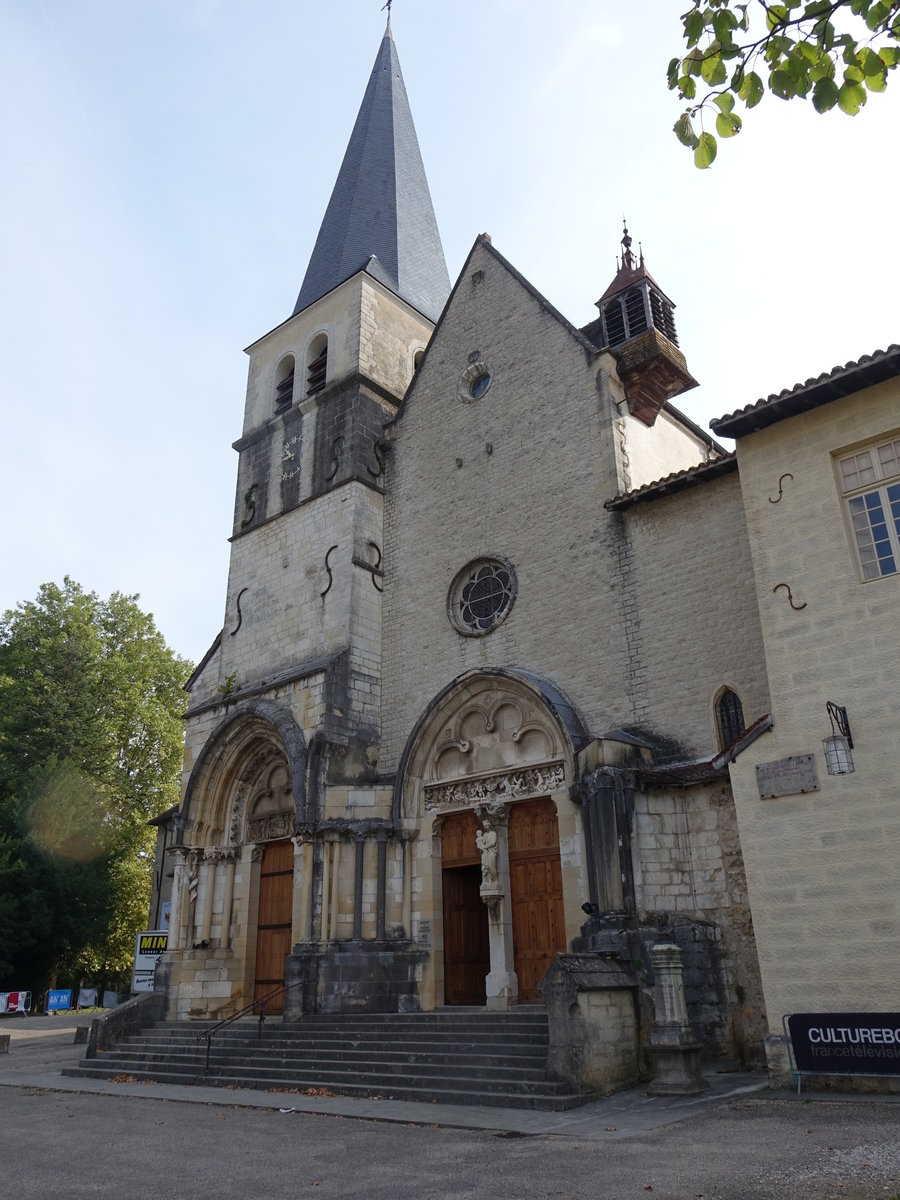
(591, 1007)
(131, 1017)
(360, 977)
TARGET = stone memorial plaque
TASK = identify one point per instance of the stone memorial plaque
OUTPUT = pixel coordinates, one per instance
(423, 937)
(787, 777)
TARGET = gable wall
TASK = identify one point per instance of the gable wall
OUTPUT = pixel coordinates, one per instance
(551, 420)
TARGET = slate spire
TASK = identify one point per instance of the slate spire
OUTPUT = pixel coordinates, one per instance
(380, 215)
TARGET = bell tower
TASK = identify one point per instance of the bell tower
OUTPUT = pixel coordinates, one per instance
(637, 323)
(306, 540)
(285, 832)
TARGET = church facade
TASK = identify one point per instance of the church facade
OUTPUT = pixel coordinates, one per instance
(494, 646)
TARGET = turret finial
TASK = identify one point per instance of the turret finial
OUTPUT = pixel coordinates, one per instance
(388, 32)
(628, 259)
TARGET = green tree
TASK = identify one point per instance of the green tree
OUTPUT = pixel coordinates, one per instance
(833, 52)
(91, 700)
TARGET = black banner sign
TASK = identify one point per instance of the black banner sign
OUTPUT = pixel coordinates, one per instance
(845, 1043)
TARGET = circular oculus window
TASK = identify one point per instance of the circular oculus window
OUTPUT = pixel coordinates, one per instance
(481, 596)
(474, 382)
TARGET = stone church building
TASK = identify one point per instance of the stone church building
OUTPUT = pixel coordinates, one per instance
(492, 646)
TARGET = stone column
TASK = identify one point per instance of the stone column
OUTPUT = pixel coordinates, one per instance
(358, 883)
(406, 850)
(502, 985)
(673, 1043)
(228, 896)
(303, 880)
(207, 884)
(178, 918)
(324, 920)
(381, 886)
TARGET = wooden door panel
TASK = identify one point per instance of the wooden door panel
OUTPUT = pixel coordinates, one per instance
(458, 840)
(466, 944)
(273, 926)
(535, 872)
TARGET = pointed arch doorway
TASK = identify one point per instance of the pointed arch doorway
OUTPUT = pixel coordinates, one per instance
(495, 753)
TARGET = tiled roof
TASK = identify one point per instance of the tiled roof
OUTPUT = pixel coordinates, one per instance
(381, 205)
(705, 770)
(832, 385)
(676, 482)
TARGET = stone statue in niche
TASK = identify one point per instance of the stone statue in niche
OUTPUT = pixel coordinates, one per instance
(488, 843)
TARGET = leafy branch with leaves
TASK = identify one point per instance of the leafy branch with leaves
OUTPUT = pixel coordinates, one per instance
(832, 51)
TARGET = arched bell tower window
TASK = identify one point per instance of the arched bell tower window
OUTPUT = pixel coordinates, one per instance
(317, 365)
(284, 383)
(729, 717)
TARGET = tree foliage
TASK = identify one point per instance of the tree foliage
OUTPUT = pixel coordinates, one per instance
(91, 700)
(833, 52)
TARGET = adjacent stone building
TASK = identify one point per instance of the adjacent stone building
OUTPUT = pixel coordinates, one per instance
(468, 726)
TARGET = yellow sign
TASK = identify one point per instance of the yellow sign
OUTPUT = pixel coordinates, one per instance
(152, 943)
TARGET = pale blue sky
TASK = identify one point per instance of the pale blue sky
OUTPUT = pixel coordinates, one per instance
(165, 168)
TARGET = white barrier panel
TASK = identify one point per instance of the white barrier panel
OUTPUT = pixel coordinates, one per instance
(15, 1002)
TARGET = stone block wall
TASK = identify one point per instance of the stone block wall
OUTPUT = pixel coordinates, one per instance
(691, 621)
(823, 868)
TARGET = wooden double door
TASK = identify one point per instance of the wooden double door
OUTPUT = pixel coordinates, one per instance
(538, 921)
(273, 925)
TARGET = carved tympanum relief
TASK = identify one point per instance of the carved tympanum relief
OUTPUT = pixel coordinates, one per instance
(271, 810)
(492, 744)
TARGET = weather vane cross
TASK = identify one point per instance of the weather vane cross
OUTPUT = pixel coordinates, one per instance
(387, 6)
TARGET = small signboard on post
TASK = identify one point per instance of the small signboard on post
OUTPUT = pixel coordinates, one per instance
(844, 1043)
(148, 947)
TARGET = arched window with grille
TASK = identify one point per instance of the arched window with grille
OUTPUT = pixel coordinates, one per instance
(729, 717)
(284, 383)
(317, 364)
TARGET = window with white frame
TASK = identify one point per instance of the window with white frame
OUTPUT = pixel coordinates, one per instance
(870, 480)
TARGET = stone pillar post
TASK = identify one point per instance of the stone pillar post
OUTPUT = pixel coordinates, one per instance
(673, 1043)
(502, 985)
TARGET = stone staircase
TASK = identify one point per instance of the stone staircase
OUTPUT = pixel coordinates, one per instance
(451, 1056)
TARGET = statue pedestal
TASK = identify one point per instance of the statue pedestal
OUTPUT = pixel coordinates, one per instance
(673, 1043)
(501, 983)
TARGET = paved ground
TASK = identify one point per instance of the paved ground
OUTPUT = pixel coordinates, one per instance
(77, 1138)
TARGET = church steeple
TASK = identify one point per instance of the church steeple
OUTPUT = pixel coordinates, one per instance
(380, 217)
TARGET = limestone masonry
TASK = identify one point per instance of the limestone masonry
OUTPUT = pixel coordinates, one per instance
(505, 640)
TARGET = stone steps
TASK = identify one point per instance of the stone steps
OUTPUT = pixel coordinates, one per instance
(449, 1057)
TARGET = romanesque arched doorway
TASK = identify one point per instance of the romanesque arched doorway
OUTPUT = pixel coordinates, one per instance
(233, 899)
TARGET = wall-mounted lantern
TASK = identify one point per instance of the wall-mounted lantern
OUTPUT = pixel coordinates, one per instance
(838, 759)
